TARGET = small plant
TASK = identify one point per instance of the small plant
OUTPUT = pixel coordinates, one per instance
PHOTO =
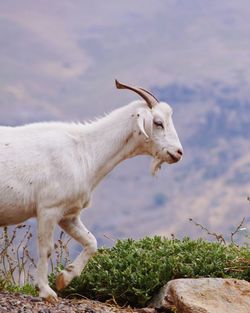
(16, 263)
(220, 237)
(62, 256)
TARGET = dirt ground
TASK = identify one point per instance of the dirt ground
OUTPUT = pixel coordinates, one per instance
(19, 303)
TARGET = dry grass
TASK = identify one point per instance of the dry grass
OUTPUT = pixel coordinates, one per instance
(17, 264)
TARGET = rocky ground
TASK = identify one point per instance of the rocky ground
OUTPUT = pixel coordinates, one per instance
(19, 303)
(206, 295)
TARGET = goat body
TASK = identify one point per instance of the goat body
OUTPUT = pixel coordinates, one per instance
(41, 166)
(48, 171)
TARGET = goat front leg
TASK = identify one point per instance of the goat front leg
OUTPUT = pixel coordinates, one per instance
(75, 228)
(47, 220)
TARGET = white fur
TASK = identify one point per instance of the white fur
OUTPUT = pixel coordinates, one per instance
(48, 171)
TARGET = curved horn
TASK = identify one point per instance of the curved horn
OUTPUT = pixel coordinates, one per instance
(146, 95)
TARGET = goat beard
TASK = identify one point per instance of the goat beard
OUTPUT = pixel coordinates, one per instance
(156, 166)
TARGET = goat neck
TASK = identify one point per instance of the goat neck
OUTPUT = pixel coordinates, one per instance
(111, 141)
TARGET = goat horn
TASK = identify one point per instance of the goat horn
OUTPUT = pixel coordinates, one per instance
(146, 95)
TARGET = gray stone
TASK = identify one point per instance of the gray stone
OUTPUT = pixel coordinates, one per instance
(36, 299)
(205, 295)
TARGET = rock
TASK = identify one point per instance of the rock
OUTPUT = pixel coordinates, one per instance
(146, 310)
(205, 295)
(36, 299)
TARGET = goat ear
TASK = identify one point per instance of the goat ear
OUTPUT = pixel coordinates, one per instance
(145, 121)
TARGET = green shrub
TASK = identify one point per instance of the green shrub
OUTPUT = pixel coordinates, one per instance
(133, 271)
(7, 285)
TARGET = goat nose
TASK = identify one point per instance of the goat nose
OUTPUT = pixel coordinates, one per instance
(179, 152)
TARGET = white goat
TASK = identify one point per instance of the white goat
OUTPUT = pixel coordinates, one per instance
(48, 171)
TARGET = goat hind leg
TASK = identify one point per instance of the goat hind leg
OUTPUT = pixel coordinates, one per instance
(75, 228)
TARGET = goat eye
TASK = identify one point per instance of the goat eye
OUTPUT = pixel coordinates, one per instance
(159, 124)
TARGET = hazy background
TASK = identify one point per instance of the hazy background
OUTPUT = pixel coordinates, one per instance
(59, 59)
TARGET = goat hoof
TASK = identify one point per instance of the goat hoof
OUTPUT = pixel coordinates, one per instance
(60, 282)
(48, 295)
(51, 299)
(64, 278)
